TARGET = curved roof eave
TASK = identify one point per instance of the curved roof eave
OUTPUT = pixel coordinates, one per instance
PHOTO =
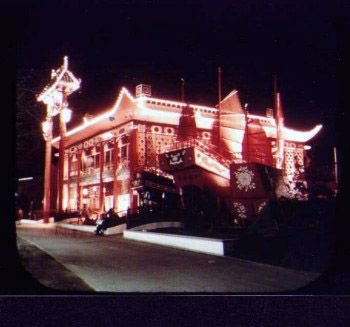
(99, 118)
(300, 136)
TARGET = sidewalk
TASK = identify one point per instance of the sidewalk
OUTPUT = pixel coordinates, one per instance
(47, 271)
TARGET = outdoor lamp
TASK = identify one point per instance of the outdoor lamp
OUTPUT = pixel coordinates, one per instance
(45, 126)
(67, 114)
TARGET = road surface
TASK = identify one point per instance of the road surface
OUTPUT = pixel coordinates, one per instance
(114, 264)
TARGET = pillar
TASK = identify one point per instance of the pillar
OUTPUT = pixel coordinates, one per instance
(69, 159)
(79, 155)
(47, 176)
(115, 166)
(61, 161)
(101, 194)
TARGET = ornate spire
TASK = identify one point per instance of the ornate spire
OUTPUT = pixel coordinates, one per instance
(62, 82)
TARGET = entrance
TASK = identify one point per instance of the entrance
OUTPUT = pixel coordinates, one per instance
(90, 198)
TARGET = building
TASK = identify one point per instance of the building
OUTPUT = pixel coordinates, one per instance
(146, 150)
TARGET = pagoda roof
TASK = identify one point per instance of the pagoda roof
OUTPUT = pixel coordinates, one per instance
(127, 108)
(59, 78)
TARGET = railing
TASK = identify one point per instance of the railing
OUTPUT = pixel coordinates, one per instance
(236, 157)
(89, 171)
(154, 170)
(108, 167)
(92, 170)
(150, 214)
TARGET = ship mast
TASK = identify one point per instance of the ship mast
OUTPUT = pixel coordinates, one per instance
(279, 127)
(219, 108)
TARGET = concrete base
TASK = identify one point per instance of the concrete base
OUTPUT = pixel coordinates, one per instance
(80, 228)
(162, 224)
(191, 243)
(29, 221)
(91, 229)
(116, 230)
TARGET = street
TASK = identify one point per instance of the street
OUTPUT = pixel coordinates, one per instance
(113, 264)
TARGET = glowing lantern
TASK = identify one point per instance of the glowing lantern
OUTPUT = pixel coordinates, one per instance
(45, 126)
(85, 191)
(67, 114)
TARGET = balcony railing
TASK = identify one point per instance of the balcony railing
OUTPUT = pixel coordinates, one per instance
(210, 150)
(89, 171)
(108, 168)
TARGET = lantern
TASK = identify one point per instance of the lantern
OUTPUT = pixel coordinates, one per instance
(67, 114)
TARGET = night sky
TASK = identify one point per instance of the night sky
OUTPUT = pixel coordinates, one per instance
(112, 44)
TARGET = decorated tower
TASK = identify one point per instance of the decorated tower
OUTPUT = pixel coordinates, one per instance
(54, 96)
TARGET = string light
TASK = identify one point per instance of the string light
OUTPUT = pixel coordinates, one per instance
(202, 122)
(299, 136)
(69, 84)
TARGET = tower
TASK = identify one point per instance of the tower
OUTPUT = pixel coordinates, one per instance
(62, 84)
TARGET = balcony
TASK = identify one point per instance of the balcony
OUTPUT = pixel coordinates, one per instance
(92, 173)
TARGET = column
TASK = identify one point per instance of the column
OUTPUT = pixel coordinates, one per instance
(47, 176)
(79, 155)
(69, 159)
(101, 195)
(61, 161)
(133, 166)
(115, 166)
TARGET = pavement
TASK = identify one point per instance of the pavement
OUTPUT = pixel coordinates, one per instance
(47, 271)
(76, 261)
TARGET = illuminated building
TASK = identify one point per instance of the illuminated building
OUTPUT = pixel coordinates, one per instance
(108, 157)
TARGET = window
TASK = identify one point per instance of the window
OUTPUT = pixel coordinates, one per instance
(123, 152)
(108, 156)
(169, 130)
(156, 129)
(91, 161)
(74, 168)
(206, 135)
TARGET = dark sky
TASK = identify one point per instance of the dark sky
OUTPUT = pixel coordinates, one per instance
(111, 44)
